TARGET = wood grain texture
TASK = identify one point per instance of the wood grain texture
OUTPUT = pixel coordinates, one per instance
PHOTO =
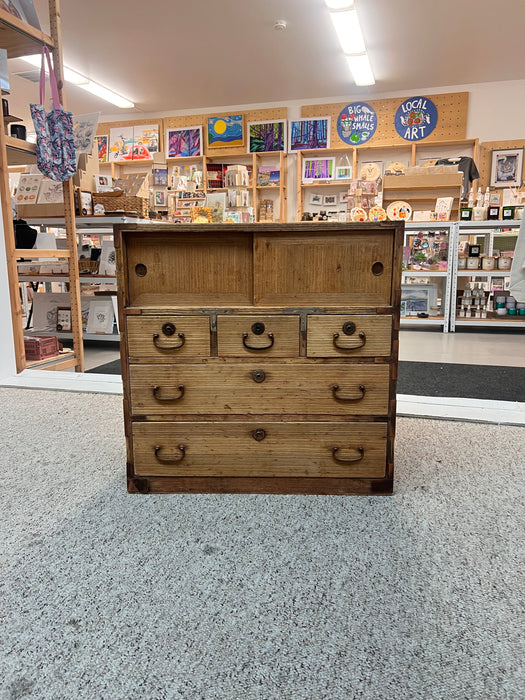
(287, 389)
(309, 268)
(321, 329)
(141, 341)
(288, 449)
(285, 331)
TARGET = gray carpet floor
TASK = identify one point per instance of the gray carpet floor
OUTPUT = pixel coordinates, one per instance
(109, 596)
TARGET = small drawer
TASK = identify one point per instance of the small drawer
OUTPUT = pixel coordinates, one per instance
(258, 336)
(254, 449)
(349, 336)
(167, 338)
(260, 389)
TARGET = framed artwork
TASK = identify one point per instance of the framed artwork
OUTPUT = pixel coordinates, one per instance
(133, 142)
(343, 172)
(416, 298)
(84, 130)
(265, 137)
(101, 316)
(86, 204)
(103, 183)
(318, 169)
(315, 199)
(216, 202)
(50, 192)
(160, 177)
(160, 198)
(330, 200)
(63, 318)
(306, 134)
(107, 265)
(102, 147)
(184, 142)
(226, 131)
(506, 168)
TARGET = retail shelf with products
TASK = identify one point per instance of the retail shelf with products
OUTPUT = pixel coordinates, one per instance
(105, 337)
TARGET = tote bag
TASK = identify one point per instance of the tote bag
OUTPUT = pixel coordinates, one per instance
(55, 147)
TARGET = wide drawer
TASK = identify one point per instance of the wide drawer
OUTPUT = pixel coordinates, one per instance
(257, 389)
(264, 336)
(167, 338)
(349, 336)
(260, 449)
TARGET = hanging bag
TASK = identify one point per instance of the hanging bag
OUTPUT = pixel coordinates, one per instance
(55, 147)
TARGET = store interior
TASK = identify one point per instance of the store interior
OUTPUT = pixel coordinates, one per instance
(266, 119)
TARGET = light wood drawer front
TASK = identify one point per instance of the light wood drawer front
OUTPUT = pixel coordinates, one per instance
(239, 336)
(238, 390)
(371, 336)
(158, 339)
(260, 449)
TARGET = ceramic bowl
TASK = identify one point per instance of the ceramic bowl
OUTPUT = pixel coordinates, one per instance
(501, 312)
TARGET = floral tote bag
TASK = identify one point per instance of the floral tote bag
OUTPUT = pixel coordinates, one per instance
(55, 148)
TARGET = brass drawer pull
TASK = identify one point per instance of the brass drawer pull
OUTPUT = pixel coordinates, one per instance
(357, 397)
(341, 460)
(170, 460)
(168, 347)
(353, 347)
(262, 347)
(156, 391)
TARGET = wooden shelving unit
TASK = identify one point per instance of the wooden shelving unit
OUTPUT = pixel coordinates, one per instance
(421, 191)
(20, 39)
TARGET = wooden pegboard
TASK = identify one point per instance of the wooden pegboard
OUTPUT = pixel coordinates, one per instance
(452, 119)
(104, 127)
(256, 115)
(485, 158)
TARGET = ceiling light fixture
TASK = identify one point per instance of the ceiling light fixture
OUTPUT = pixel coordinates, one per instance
(86, 84)
(346, 24)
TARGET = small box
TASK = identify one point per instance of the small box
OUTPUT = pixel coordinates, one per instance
(474, 251)
(466, 214)
(493, 213)
(507, 212)
(41, 347)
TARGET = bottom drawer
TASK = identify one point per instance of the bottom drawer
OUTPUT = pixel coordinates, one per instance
(260, 449)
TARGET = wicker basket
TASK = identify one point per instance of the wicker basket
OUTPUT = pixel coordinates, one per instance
(88, 266)
(122, 202)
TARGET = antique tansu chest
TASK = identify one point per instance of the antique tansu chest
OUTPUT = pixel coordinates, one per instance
(260, 358)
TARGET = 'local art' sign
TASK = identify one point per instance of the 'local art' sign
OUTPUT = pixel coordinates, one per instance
(357, 123)
(416, 118)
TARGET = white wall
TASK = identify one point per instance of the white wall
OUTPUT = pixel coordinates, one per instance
(7, 352)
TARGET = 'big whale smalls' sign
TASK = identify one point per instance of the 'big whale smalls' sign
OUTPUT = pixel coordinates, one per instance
(357, 123)
(416, 118)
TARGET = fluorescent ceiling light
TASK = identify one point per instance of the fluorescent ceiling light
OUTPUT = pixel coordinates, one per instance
(361, 69)
(348, 31)
(339, 4)
(86, 84)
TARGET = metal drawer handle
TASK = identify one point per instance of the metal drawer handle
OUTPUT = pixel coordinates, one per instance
(170, 460)
(262, 347)
(156, 391)
(341, 460)
(356, 397)
(168, 347)
(353, 347)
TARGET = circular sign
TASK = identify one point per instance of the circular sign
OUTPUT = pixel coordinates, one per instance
(357, 123)
(416, 118)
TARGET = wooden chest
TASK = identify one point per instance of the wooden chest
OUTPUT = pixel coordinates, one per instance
(260, 358)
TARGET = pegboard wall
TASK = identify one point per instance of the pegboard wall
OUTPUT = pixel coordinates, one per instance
(257, 115)
(452, 119)
(104, 127)
(485, 159)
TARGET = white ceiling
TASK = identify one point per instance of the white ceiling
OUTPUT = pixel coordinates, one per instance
(168, 55)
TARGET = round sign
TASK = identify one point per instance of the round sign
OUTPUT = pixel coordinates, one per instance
(357, 123)
(416, 118)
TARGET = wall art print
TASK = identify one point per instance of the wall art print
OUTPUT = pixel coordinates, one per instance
(416, 118)
(184, 142)
(506, 169)
(307, 134)
(265, 137)
(357, 123)
(102, 146)
(318, 169)
(133, 142)
(226, 131)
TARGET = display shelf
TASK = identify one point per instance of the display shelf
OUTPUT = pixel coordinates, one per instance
(104, 223)
(41, 253)
(37, 277)
(414, 321)
(424, 273)
(334, 183)
(491, 322)
(483, 273)
(107, 337)
(268, 187)
(20, 152)
(66, 357)
(495, 223)
(19, 38)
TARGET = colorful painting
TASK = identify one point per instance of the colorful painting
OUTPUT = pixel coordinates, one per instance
(121, 141)
(356, 123)
(102, 146)
(184, 142)
(307, 134)
(226, 131)
(264, 137)
(160, 198)
(318, 169)
(416, 118)
(133, 142)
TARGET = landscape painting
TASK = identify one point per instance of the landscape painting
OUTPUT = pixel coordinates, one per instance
(226, 131)
(184, 142)
(307, 134)
(265, 137)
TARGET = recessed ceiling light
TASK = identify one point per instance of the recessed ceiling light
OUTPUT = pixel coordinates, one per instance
(346, 25)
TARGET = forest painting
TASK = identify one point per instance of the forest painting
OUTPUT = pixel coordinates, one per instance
(264, 137)
(184, 142)
(306, 134)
